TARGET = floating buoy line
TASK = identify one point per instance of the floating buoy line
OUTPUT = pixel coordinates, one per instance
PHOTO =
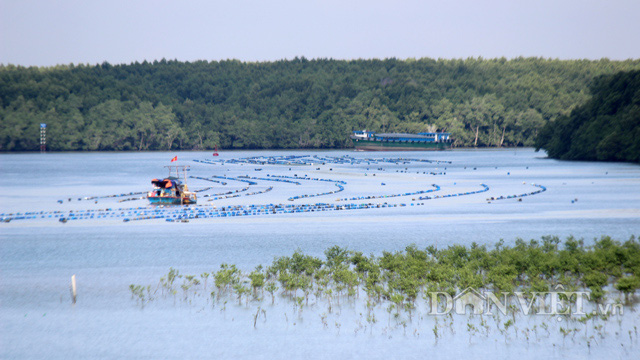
(540, 189)
(222, 195)
(484, 188)
(368, 197)
(292, 160)
(188, 211)
(271, 179)
(184, 213)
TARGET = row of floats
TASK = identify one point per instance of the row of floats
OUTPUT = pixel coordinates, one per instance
(290, 160)
(368, 197)
(541, 188)
(191, 211)
(177, 213)
(484, 188)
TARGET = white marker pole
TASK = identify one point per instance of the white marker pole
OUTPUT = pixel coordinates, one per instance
(73, 289)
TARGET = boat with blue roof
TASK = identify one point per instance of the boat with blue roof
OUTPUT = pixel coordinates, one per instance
(370, 141)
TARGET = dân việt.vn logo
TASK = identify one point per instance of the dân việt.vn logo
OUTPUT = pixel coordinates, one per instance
(558, 302)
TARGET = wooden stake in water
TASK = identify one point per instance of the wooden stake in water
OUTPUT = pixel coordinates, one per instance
(73, 289)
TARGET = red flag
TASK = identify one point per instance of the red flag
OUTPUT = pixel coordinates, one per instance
(175, 158)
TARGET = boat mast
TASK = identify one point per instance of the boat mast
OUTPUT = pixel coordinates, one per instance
(184, 171)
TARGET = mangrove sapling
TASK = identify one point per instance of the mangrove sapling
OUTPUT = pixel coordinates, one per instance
(627, 285)
(359, 325)
(329, 293)
(390, 310)
(513, 310)
(374, 290)
(287, 282)
(471, 329)
(255, 317)
(204, 277)
(185, 290)
(171, 277)
(322, 278)
(162, 285)
(595, 281)
(485, 326)
(304, 283)
(526, 333)
(241, 290)
(137, 292)
(404, 327)
(451, 327)
(565, 333)
(189, 282)
(319, 290)
(435, 330)
(371, 319)
(398, 300)
(257, 280)
(323, 319)
(299, 303)
(619, 321)
(226, 277)
(336, 256)
(584, 320)
(133, 289)
(507, 325)
(271, 288)
(409, 307)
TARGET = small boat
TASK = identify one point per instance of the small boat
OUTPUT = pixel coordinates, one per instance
(215, 151)
(170, 190)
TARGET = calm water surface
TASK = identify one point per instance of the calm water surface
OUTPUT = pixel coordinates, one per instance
(37, 258)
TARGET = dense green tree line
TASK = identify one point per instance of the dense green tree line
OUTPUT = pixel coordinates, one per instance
(295, 103)
(606, 128)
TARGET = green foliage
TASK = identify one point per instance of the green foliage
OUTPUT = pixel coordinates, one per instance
(271, 287)
(606, 128)
(396, 280)
(227, 277)
(297, 103)
(257, 278)
(534, 266)
(628, 284)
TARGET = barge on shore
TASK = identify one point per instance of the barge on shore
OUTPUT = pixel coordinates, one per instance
(370, 141)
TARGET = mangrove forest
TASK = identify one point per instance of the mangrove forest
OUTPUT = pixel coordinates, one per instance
(606, 128)
(297, 103)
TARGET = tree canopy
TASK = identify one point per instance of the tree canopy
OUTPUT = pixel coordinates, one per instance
(606, 128)
(297, 103)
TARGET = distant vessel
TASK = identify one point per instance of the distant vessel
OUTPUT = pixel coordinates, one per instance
(369, 140)
(170, 190)
(215, 151)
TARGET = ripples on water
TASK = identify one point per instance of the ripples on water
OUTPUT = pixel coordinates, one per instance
(38, 257)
